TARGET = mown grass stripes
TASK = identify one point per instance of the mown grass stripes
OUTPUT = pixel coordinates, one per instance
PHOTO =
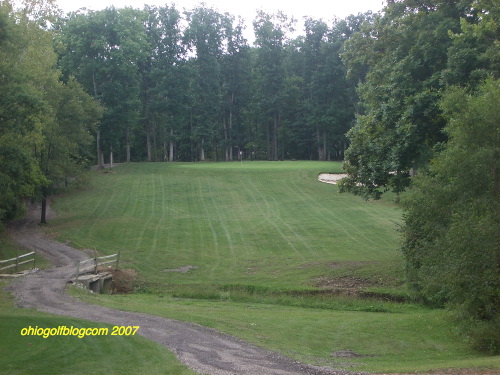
(225, 218)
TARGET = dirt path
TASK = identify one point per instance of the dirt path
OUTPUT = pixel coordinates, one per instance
(202, 349)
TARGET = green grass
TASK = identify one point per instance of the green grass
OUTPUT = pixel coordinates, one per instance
(10, 249)
(265, 238)
(405, 338)
(256, 223)
(72, 355)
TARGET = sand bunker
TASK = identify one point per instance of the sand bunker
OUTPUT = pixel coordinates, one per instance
(331, 178)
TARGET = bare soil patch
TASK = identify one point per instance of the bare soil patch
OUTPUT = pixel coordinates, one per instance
(344, 283)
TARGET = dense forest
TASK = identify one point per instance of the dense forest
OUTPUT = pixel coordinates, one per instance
(408, 98)
(188, 87)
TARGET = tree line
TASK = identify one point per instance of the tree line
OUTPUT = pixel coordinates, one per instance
(187, 86)
(158, 84)
(408, 98)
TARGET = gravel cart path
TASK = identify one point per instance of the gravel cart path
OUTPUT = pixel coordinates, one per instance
(202, 349)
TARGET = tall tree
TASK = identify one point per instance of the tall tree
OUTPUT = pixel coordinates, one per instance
(21, 107)
(67, 136)
(271, 38)
(47, 121)
(399, 122)
(236, 77)
(317, 88)
(330, 103)
(165, 87)
(104, 50)
(206, 35)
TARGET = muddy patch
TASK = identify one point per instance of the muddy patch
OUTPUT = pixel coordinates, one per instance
(343, 283)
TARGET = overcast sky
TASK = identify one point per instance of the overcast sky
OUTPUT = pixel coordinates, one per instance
(325, 9)
(317, 9)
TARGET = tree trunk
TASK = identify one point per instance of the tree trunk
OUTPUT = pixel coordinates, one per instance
(324, 146)
(94, 83)
(216, 151)
(202, 151)
(148, 144)
(43, 215)
(171, 146)
(100, 161)
(225, 139)
(111, 157)
(231, 128)
(318, 140)
(154, 155)
(268, 142)
(275, 137)
(128, 143)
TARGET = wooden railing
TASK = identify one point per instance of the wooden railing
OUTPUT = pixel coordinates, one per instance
(17, 261)
(90, 265)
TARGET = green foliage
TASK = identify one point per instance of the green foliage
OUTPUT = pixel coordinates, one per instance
(104, 50)
(271, 36)
(450, 236)
(328, 106)
(475, 51)
(199, 91)
(21, 106)
(206, 35)
(404, 59)
(407, 62)
(46, 125)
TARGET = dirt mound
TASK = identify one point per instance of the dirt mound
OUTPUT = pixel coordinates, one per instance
(123, 279)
